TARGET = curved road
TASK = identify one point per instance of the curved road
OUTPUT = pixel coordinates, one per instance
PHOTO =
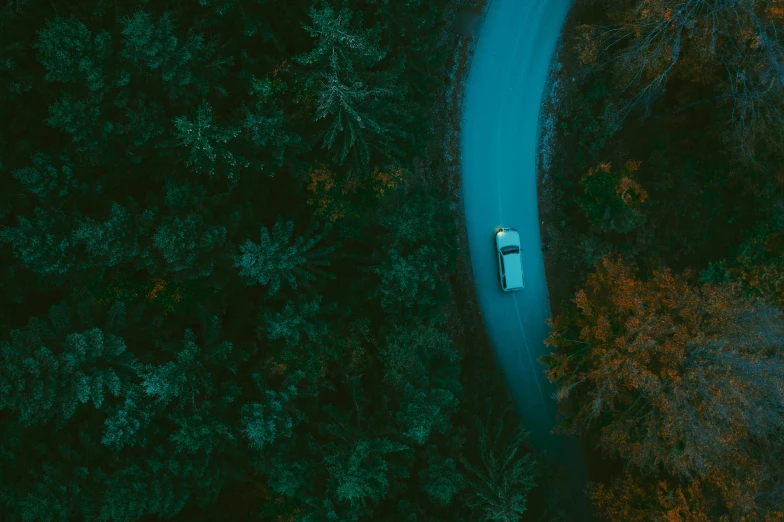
(501, 103)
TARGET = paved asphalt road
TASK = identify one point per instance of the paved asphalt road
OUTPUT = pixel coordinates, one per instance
(499, 139)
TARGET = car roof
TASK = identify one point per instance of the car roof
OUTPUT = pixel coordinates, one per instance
(513, 270)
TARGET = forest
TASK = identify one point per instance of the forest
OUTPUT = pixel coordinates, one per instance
(221, 294)
(665, 215)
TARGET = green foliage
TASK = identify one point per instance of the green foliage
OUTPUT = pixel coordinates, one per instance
(499, 486)
(441, 480)
(408, 281)
(206, 143)
(420, 362)
(158, 359)
(347, 104)
(295, 323)
(116, 240)
(288, 469)
(81, 118)
(45, 178)
(142, 124)
(410, 263)
(183, 195)
(265, 123)
(189, 245)
(139, 489)
(348, 97)
(41, 243)
(181, 392)
(335, 36)
(153, 44)
(127, 426)
(358, 473)
(266, 421)
(581, 121)
(612, 200)
(759, 264)
(275, 259)
(49, 369)
(70, 54)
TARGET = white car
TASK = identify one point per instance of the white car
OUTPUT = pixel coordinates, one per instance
(510, 259)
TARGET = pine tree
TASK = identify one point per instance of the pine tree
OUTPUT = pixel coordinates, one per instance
(296, 324)
(358, 472)
(275, 259)
(206, 143)
(266, 128)
(189, 245)
(441, 479)
(336, 36)
(350, 98)
(153, 44)
(408, 263)
(70, 54)
(421, 364)
(350, 107)
(275, 416)
(48, 176)
(191, 395)
(143, 124)
(42, 243)
(49, 369)
(499, 486)
(148, 43)
(116, 240)
(408, 282)
(81, 118)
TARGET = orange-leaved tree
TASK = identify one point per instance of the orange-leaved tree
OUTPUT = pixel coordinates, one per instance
(676, 378)
(633, 497)
(629, 499)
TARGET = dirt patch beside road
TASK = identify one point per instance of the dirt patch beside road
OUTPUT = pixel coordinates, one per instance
(559, 88)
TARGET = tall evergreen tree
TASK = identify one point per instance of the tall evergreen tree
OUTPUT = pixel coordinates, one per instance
(275, 259)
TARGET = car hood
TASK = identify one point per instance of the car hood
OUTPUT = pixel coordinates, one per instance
(509, 237)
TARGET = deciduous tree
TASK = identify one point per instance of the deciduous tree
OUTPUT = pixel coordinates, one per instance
(733, 45)
(675, 377)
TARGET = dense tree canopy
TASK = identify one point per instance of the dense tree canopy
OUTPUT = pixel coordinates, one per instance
(734, 48)
(677, 379)
(220, 295)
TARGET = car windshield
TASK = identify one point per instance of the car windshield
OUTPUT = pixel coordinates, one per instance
(510, 250)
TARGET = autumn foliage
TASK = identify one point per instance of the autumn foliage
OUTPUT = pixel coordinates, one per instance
(326, 195)
(733, 48)
(629, 500)
(678, 381)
